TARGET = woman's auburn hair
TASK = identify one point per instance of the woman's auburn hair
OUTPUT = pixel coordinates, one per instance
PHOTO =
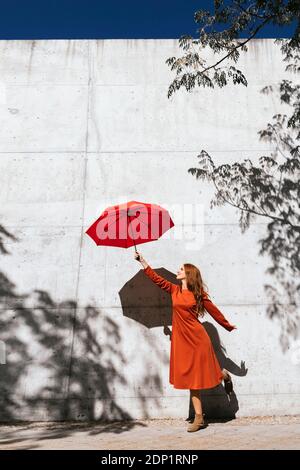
(196, 285)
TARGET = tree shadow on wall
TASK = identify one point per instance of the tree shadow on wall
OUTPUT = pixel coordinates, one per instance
(57, 367)
(269, 190)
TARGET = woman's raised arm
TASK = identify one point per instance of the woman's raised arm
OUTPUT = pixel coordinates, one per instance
(155, 277)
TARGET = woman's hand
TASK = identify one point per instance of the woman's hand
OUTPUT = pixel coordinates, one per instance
(234, 327)
(139, 257)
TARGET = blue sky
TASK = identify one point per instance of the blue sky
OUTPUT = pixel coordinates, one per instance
(100, 19)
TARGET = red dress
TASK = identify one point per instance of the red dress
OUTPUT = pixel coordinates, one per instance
(193, 363)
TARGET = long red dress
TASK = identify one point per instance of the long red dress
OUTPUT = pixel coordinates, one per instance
(193, 363)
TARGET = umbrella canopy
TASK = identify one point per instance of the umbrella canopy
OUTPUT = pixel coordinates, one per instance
(129, 224)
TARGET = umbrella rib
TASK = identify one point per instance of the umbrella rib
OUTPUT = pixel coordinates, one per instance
(152, 209)
(117, 218)
(146, 226)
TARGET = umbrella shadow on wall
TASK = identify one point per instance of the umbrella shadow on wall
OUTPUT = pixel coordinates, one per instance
(146, 303)
(217, 405)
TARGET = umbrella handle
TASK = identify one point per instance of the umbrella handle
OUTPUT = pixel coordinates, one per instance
(138, 258)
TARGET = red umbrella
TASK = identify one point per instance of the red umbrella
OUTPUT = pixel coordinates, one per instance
(129, 224)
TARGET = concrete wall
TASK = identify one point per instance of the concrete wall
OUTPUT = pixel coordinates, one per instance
(87, 124)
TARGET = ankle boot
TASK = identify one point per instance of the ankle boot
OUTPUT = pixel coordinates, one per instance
(197, 424)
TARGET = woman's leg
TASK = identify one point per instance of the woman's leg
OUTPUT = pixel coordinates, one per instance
(195, 395)
(198, 422)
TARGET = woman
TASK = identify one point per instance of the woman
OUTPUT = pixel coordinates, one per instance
(193, 363)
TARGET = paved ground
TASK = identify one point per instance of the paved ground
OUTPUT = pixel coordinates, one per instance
(281, 432)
